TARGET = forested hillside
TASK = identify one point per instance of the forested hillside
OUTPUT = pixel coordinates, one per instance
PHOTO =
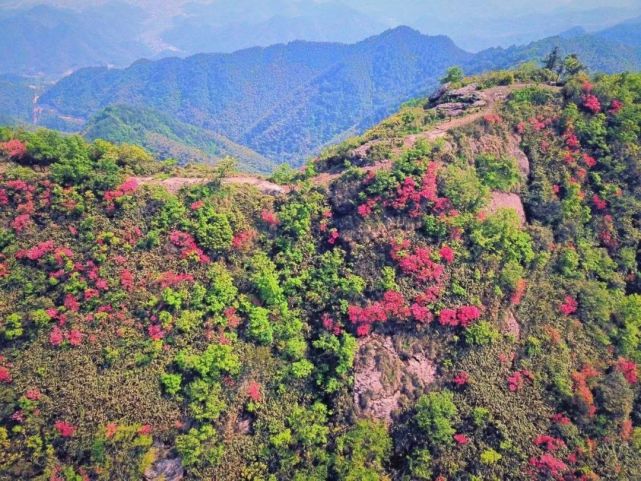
(285, 102)
(454, 295)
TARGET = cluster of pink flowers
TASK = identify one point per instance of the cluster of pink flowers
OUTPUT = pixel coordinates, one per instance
(393, 305)
(14, 149)
(462, 316)
(5, 375)
(629, 369)
(569, 306)
(519, 292)
(242, 240)
(65, 429)
(333, 236)
(366, 209)
(126, 279)
(331, 325)
(199, 204)
(126, 188)
(155, 332)
(171, 279)
(461, 439)
(549, 443)
(38, 252)
(416, 262)
(21, 222)
(548, 465)
(516, 380)
(615, 106)
(591, 103)
(599, 203)
(409, 192)
(57, 337)
(270, 218)
(188, 245)
(254, 391)
(461, 378)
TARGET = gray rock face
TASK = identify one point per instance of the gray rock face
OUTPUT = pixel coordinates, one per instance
(165, 469)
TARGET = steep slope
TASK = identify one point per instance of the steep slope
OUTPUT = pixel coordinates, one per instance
(454, 294)
(166, 138)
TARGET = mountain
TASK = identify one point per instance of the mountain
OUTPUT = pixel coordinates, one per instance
(455, 294)
(286, 101)
(17, 95)
(53, 41)
(283, 101)
(166, 138)
(203, 29)
(628, 33)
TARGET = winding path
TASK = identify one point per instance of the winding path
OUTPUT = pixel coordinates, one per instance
(491, 97)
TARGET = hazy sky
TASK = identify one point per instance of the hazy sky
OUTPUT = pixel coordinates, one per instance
(473, 24)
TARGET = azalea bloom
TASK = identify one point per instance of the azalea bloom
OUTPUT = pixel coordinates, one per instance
(254, 391)
(65, 429)
(569, 306)
(461, 439)
(5, 375)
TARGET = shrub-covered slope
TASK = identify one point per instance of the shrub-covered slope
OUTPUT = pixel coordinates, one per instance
(453, 296)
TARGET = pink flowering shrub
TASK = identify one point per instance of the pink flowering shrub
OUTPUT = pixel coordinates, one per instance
(14, 149)
(569, 306)
(65, 429)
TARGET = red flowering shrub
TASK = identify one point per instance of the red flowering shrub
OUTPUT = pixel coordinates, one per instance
(21, 222)
(36, 253)
(447, 254)
(461, 378)
(5, 375)
(588, 160)
(4, 270)
(421, 313)
(548, 465)
(461, 439)
(569, 306)
(55, 336)
(331, 325)
(243, 239)
(14, 149)
(615, 106)
(75, 337)
(270, 218)
(199, 204)
(519, 292)
(492, 119)
(599, 203)
(628, 369)
(126, 279)
(155, 332)
(254, 391)
(171, 279)
(71, 303)
(188, 245)
(33, 394)
(65, 429)
(416, 262)
(549, 443)
(333, 237)
(126, 188)
(462, 316)
(145, 430)
(591, 103)
(516, 380)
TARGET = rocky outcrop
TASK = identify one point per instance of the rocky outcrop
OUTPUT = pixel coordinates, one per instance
(165, 468)
(384, 378)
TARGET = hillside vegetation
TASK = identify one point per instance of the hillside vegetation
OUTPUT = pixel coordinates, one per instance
(454, 295)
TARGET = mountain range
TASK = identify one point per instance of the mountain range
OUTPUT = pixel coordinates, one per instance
(286, 101)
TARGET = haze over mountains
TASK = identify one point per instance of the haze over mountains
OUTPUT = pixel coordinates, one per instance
(52, 37)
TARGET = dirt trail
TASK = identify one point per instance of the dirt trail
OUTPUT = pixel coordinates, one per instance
(174, 184)
(489, 98)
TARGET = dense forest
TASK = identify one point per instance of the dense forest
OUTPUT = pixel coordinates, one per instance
(454, 295)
